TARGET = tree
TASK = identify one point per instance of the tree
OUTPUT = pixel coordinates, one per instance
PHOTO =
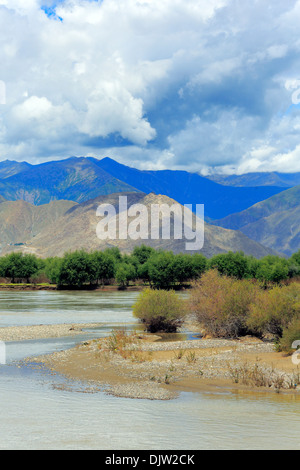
(274, 309)
(52, 269)
(29, 266)
(77, 269)
(272, 269)
(19, 266)
(183, 268)
(143, 253)
(104, 264)
(231, 264)
(199, 265)
(125, 273)
(161, 269)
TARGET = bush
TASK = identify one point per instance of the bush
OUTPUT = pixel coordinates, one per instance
(274, 310)
(160, 310)
(221, 304)
(290, 334)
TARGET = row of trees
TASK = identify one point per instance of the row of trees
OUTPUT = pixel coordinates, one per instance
(159, 269)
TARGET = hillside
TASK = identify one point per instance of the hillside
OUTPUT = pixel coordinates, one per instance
(21, 221)
(9, 168)
(190, 188)
(74, 179)
(82, 179)
(283, 180)
(76, 229)
(274, 222)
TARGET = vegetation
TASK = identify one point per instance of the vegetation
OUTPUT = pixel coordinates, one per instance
(156, 268)
(233, 294)
(228, 307)
(221, 304)
(160, 310)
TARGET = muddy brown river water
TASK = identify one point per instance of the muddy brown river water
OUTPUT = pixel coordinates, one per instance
(36, 414)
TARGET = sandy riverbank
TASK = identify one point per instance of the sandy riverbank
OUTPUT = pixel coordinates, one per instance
(23, 333)
(150, 369)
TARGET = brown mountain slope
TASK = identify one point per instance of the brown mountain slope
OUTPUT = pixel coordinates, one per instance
(76, 229)
(21, 221)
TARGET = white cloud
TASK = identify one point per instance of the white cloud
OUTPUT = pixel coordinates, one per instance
(188, 83)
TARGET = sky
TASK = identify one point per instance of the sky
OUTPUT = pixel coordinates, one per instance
(209, 86)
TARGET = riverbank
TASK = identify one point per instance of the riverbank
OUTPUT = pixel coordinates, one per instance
(142, 366)
(25, 333)
(53, 287)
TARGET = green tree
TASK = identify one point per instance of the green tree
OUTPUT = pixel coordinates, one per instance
(199, 265)
(52, 268)
(231, 264)
(19, 266)
(125, 273)
(77, 269)
(104, 266)
(161, 269)
(143, 253)
(272, 269)
(183, 268)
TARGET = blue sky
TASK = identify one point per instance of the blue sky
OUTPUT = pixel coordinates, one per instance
(206, 86)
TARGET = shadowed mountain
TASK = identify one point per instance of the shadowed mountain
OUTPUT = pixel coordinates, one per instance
(283, 180)
(81, 179)
(189, 188)
(274, 222)
(75, 179)
(76, 229)
(9, 168)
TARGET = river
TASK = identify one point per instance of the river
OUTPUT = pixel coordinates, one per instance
(35, 414)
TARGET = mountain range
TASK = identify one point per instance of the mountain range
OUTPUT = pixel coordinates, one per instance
(80, 179)
(274, 222)
(50, 207)
(284, 180)
(60, 226)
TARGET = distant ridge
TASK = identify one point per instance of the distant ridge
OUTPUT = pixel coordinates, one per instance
(274, 222)
(190, 188)
(80, 179)
(73, 226)
(75, 179)
(284, 180)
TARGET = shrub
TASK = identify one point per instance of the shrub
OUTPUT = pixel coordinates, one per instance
(221, 304)
(160, 310)
(274, 309)
(290, 334)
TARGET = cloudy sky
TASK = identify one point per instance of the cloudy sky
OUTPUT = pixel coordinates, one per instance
(199, 85)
